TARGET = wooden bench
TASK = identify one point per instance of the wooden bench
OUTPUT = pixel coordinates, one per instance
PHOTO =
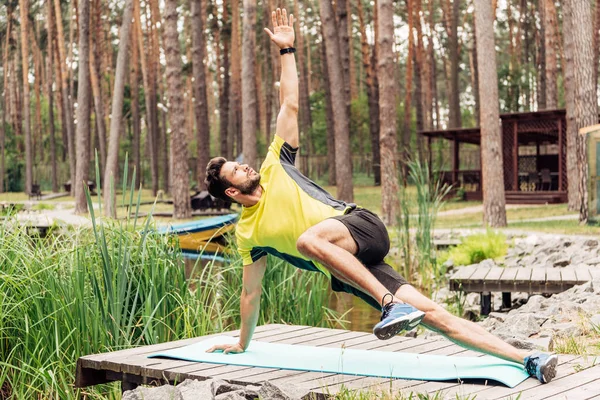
(484, 280)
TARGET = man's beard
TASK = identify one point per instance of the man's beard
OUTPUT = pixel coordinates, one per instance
(249, 186)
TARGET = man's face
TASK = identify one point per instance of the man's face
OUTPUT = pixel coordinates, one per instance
(241, 176)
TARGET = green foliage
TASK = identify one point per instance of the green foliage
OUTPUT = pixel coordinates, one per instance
(430, 194)
(476, 248)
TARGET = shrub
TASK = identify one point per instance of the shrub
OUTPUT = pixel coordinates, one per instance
(476, 248)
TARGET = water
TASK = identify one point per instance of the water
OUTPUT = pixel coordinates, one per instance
(361, 316)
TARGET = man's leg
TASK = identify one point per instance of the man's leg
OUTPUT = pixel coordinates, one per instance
(461, 331)
(330, 243)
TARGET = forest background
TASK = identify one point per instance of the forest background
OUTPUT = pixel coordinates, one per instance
(172, 84)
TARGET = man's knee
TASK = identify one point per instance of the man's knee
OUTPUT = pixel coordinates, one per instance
(306, 243)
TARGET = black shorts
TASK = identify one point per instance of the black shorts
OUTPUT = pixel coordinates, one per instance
(373, 242)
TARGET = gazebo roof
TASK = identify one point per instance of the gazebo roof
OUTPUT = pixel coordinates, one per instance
(530, 128)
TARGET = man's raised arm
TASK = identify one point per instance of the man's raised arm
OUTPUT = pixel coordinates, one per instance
(283, 36)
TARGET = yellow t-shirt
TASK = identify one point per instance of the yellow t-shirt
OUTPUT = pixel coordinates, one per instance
(290, 204)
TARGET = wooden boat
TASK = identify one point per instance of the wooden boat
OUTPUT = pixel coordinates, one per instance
(206, 236)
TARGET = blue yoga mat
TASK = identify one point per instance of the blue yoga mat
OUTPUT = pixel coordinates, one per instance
(354, 362)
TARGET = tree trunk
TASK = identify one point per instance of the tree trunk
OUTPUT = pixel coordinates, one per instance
(37, 143)
(344, 46)
(550, 38)
(597, 42)
(328, 117)
(83, 110)
(387, 112)
(95, 57)
(23, 7)
(135, 103)
(235, 109)
(179, 174)
(569, 85)
(541, 58)
(343, 159)
(304, 100)
(475, 75)
(406, 133)
(418, 77)
(156, 157)
(352, 60)
(112, 156)
(585, 97)
(372, 96)
(67, 111)
(454, 95)
(249, 84)
(200, 103)
(49, 83)
(224, 90)
(494, 210)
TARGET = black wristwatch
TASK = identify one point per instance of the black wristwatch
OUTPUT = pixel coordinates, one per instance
(288, 50)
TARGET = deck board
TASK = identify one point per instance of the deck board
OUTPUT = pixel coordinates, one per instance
(133, 364)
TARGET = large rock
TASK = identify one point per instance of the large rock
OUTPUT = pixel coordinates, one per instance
(274, 391)
(219, 386)
(158, 393)
(192, 389)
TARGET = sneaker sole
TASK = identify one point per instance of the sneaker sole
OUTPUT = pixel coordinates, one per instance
(398, 325)
(549, 368)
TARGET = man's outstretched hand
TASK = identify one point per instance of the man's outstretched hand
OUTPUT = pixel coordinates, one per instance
(283, 31)
(227, 348)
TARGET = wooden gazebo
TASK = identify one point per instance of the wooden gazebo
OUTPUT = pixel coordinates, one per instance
(534, 157)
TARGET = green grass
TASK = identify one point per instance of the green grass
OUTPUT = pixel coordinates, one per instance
(476, 248)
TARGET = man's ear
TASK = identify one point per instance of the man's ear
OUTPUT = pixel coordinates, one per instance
(232, 192)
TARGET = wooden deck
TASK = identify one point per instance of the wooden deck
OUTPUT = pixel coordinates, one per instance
(531, 280)
(578, 377)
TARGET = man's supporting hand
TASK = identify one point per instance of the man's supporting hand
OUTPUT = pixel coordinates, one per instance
(283, 31)
(227, 348)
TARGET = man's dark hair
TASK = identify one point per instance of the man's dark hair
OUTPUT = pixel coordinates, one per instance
(216, 184)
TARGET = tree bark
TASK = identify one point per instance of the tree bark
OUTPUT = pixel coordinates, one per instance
(179, 158)
(475, 75)
(159, 151)
(372, 94)
(454, 95)
(224, 90)
(235, 109)
(83, 110)
(406, 132)
(67, 111)
(550, 38)
(304, 97)
(494, 209)
(569, 85)
(418, 76)
(23, 7)
(201, 102)
(387, 112)
(50, 94)
(112, 156)
(586, 102)
(541, 59)
(95, 57)
(343, 159)
(328, 117)
(597, 42)
(344, 46)
(249, 84)
(135, 103)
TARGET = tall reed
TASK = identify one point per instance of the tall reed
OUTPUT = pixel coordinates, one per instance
(415, 232)
(117, 285)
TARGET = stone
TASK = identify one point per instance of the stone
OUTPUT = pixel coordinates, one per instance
(219, 386)
(592, 261)
(235, 395)
(592, 243)
(273, 391)
(566, 329)
(192, 389)
(500, 317)
(562, 262)
(595, 321)
(523, 325)
(158, 393)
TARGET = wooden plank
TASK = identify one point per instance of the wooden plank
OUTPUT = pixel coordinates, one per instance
(583, 274)
(492, 279)
(507, 280)
(553, 281)
(563, 385)
(493, 388)
(569, 279)
(538, 280)
(462, 274)
(480, 274)
(585, 391)
(523, 280)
